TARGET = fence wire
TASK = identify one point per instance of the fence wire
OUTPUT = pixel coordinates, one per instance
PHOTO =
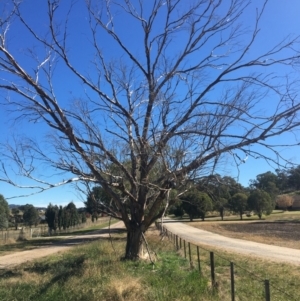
(231, 281)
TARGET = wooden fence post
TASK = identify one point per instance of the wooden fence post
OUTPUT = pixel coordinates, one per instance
(198, 256)
(212, 269)
(190, 254)
(232, 281)
(267, 290)
(184, 249)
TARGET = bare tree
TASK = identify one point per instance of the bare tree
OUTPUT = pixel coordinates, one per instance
(159, 105)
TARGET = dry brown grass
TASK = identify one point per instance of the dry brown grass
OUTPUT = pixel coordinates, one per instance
(10, 241)
(125, 288)
(283, 233)
(25, 277)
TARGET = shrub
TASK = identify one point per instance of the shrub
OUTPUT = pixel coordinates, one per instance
(284, 201)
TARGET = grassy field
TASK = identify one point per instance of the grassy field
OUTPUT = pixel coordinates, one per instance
(94, 271)
(279, 228)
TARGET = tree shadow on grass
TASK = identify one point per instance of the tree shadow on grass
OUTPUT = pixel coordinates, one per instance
(64, 264)
(10, 273)
(61, 271)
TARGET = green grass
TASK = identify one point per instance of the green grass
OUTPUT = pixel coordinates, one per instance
(250, 274)
(94, 271)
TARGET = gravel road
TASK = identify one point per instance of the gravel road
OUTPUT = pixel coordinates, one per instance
(64, 243)
(200, 237)
(193, 235)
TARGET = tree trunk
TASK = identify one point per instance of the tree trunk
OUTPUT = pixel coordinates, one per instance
(134, 243)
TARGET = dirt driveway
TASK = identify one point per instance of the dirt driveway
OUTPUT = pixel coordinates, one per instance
(63, 244)
(202, 237)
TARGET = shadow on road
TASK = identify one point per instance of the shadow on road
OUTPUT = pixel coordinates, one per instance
(92, 236)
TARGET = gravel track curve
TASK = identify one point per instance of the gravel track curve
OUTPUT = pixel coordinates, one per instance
(245, 247)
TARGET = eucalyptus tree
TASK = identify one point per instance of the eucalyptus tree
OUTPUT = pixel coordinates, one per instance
(238, 203)
(196, 204)
(163, 90)
(260, 202)
(30, 215)
(268, 182)
(4, 212)
(294, 178)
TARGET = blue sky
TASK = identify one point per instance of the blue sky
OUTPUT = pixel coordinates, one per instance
(280, 19)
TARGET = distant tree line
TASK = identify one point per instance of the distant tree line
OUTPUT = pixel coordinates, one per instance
(280, 182)
(214, 193)
(59, 217)
(221, 194)
(197, 204)
(30, 215)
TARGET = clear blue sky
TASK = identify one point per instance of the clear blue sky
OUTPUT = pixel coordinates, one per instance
(281, 18)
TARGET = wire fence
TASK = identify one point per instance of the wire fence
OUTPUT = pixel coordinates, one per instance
(229, 280)
(9, 235)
